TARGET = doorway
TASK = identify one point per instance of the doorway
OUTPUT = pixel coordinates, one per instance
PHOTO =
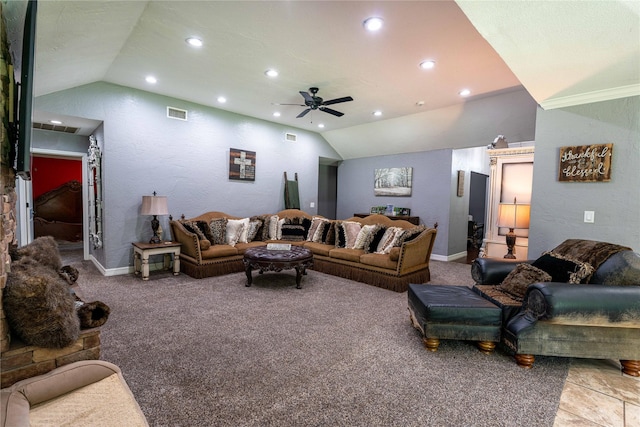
(327, 188)
(27, 196)
(57, 199)
(477, 214)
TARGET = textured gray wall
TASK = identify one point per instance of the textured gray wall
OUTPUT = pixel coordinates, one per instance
(429, 199)
(186, 161)
(433, 197)
(59, 141)
(557, 208)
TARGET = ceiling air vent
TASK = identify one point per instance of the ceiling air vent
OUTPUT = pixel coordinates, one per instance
(290, 137)
(176, 113)
(55, 128)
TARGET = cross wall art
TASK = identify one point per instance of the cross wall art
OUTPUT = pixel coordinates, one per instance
(242, 165)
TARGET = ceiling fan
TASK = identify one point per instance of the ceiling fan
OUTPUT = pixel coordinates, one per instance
(313, 102)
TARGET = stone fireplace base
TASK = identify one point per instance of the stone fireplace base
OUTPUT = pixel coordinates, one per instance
(22, 361)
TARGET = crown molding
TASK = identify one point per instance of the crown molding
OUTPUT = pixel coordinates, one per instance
(591, 97)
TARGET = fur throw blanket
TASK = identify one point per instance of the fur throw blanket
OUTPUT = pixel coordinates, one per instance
(40, 309)
(590, 251)
(40, 304)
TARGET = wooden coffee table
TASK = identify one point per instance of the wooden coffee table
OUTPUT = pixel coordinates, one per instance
(265, 259)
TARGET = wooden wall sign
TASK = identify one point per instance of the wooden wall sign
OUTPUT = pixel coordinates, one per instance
(242, 165)
(585, 163)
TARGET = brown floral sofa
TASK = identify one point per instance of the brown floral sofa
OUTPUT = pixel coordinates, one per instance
(375, 250)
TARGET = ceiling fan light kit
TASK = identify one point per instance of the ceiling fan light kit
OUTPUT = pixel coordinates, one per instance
(314, 102)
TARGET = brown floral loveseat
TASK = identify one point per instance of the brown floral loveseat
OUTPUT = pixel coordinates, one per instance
(375, 250)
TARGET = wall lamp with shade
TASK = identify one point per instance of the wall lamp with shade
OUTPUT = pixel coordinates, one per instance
(154, 205)
(513, 215)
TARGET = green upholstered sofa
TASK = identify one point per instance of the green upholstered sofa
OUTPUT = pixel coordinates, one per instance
(596, 317)
(404, 263)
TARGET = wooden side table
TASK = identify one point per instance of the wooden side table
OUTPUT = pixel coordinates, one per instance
(142, 251)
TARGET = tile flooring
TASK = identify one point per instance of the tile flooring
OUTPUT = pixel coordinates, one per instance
(596, 393)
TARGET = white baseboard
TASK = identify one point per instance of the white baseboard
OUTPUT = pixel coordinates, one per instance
(122, 270)
(449, 257)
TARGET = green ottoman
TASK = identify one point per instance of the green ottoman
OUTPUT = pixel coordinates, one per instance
(453, 312)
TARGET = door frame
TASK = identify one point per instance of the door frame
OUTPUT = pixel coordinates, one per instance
(71, 155)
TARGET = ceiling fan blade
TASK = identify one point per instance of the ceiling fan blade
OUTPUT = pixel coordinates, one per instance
(330, 111)
(304, 113)
(306, 96)
(337, 100)
(277, 103)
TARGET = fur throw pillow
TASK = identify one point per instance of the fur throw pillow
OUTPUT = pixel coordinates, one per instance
(43, 250)
(518, 280)
(40, 308)
(93, 314)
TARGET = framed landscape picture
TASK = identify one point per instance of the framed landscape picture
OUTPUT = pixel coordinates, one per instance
(242, 165)
(392, 182)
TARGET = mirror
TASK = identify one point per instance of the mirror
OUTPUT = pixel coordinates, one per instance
(94, 163)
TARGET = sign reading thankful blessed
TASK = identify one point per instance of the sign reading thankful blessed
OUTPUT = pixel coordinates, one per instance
(585, 163)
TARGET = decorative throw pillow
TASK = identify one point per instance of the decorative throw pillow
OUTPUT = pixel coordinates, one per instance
(339, 232)
(43, 250)
(364, 236)
(371, 234)
(275, 230)
(234, 230)
(218, 229)
(204, 244)
(320, 231)
(351, 230)
(244, 232)
(265, 227)
(206, 230)
(293, 232)
(39, 308)
(409, 234)
(563, 269)
(389, 239)
(519, 279)
(328, 234)
(375, 240)
(279, 229)
(315, 223)
(254, 227)
(306, 223)
(192, 226)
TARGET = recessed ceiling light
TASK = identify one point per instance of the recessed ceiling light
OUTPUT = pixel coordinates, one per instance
(377, 113)
(55, 122)
(426, 65)
(321, 125)
(373, 23)
(464, 92)
(271, 73)
(194, 41)
(222, 99)
(276, 114)
(151, 79)
(420, 104)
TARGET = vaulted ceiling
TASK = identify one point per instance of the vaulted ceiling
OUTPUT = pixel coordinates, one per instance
(562, 53)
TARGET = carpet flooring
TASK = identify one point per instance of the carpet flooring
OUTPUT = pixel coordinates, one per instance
(213, 352)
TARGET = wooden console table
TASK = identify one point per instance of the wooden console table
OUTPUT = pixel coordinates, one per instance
(142, 251)
(415, 220)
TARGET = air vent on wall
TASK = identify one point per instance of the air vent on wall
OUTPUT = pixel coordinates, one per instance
(55, 128)
(290, 137)
(176, 113)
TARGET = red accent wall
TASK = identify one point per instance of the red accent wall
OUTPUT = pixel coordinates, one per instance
(49, 173)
